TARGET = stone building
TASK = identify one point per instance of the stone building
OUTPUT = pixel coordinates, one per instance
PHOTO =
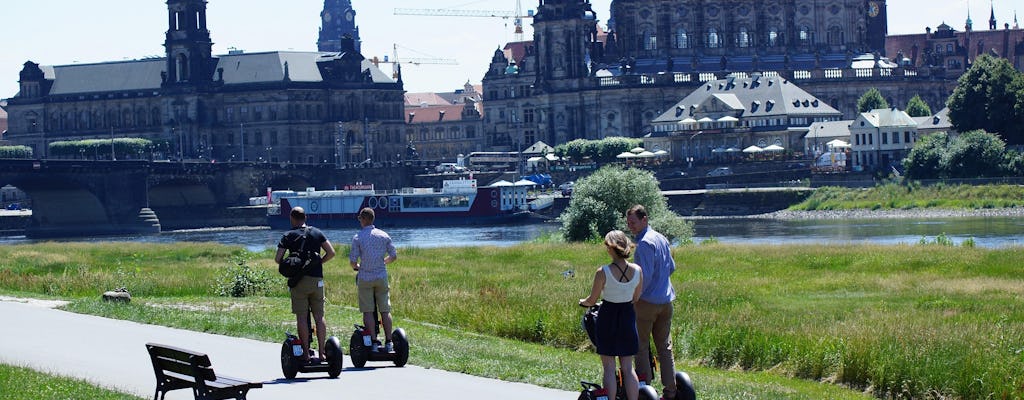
(3, 123)
(337, 21)
(575, 81)
(723, 117)
(954, 51)
(882, 138)
(281, 106)
(442, 126)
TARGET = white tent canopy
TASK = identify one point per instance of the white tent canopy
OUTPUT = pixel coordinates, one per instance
(625, 155)
(774, 147)
(637, 150)
(524, 182)
(661, 153)
(552, 157)
(838, 144)
(645, 154)
(753, 149)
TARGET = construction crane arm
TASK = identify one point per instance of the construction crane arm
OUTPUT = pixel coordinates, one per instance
(457, 13)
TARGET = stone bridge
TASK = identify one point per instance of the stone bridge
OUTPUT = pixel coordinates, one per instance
(76, 198)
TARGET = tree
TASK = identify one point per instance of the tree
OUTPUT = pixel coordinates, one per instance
(916, 107)
(990, 96)
(925, 159)
(15, 152)
(974, 154)
(871, 100)
(600, 201)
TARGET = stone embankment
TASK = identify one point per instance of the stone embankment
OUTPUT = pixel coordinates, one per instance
(919, 213)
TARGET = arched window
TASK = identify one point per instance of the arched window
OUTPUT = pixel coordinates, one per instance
(154, 117)
(140, 117)
(182, 68)
(714, 41)
(743, 39)
(682, 40)
(650, 41)
(805, 35)
(773, 38)
(835, 36)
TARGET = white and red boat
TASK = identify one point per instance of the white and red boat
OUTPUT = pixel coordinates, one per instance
(458, 203)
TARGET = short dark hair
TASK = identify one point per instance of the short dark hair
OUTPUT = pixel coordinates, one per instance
(298, 214)
(366, 214)
(638, 210)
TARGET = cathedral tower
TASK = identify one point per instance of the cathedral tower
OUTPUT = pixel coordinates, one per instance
(337, 20)
(565, 35)
(189, 48)
(877, 26)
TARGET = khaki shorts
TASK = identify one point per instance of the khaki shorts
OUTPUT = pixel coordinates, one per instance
(308, 295)
(371, 290)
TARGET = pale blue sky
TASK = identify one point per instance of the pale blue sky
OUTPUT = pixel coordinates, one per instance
(57, 32)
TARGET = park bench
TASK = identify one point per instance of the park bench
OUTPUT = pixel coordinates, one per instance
(177, 368)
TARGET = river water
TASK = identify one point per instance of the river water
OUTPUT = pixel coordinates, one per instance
(988, 232)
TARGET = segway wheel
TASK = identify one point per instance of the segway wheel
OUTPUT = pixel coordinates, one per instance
(357, 351)
(648, 393)
(335, 356)
(289, 366)
(401, 347)
(684, 387)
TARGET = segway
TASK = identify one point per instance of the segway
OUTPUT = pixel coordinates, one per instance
(362, 347)
(292, 361)
(593, 391)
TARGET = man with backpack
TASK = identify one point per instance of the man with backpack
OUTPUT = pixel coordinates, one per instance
(307, 287)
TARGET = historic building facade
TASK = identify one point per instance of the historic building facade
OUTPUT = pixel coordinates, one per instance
(575, 81)
(338, 20)
(954, 51)
(442, 126)
(300, 107)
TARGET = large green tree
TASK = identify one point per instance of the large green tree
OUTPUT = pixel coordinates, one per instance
(599, 204)
(916, 107)
(871, 100)
(990, 96)
(972, 154)
(925, 160)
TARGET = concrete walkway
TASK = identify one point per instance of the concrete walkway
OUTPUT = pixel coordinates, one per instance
(112, 353)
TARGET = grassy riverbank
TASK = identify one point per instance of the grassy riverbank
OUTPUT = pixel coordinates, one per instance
(914, 196)
(22, 383)
(896, 321)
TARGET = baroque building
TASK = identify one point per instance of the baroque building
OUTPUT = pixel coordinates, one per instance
(954, 51)
(573, 80)
(443, 126)
(338, 20)
(281, 106)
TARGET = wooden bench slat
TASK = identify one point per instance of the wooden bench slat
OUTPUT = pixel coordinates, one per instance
(177, 368)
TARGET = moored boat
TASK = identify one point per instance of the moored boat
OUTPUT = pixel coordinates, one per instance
(458, 203)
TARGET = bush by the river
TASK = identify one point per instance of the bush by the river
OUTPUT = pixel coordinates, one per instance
(15, 152)
(600, 201)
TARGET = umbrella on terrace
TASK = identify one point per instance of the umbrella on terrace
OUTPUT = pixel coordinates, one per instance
(625, 155)
(645, 154)
(838, 144)
(753, 149)
(661, 153)
(637, 150)
(774, 147)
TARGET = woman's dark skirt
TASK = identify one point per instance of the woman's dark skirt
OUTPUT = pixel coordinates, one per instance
(616, 330)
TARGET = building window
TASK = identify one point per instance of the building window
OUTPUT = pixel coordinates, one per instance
(885, 138)
(906, 137)
(805, 35)
(650, 41)
(273, 137)
(257, 113)
(773, 38)
(257, 137)
(895, 138)
(713, 40)
(682, 41)
(835, 36)
(743, 40)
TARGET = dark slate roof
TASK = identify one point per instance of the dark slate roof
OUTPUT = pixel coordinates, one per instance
(120, 76)
(757, 95)
(245, 68)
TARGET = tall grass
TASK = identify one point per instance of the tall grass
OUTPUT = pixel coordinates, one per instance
(893, 196)
(895, 321)
(19, 383)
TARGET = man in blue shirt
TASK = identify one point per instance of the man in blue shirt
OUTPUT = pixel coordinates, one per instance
(654, 309)
(372, 251)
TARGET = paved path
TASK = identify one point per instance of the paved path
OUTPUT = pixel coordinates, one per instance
(112, 353)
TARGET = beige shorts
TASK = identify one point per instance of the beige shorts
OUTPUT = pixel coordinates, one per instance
(308, 295)
(374, 290)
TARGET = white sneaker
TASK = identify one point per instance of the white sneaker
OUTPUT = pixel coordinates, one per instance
(389, 347)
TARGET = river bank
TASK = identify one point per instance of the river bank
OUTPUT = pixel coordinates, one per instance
(914, 213)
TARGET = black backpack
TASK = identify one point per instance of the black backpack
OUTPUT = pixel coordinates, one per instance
(294, 265)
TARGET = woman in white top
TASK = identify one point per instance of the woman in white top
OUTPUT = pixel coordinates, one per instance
(619, 284)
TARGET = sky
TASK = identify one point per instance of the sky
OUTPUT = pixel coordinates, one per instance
(60, 32)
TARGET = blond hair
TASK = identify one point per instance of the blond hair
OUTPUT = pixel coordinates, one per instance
(618, 241)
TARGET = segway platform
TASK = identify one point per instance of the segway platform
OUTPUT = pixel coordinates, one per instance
(360, 352)
(292, 361)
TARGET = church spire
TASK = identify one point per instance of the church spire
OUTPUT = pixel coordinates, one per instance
(992, 18)
(337, 20)
(1015, 24)
(189, 47)
(969, 24)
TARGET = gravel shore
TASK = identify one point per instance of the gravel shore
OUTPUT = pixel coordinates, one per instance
(889, 214)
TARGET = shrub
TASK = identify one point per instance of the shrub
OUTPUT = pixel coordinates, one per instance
(241, 280)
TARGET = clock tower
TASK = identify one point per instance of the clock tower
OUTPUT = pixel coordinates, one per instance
(336, 21)
(877, 25)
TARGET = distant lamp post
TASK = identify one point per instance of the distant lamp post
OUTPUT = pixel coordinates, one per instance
(269, 148)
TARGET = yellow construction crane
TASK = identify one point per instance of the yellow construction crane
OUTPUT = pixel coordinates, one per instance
(516, 15)
(415, 61)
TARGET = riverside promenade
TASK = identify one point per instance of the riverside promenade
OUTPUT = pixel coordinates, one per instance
(111, 353)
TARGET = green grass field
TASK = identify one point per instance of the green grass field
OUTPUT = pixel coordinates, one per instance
(921, 321)
(18, 383)
(905, 197)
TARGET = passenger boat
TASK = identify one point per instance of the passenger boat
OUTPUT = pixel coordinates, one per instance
(458, 203)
